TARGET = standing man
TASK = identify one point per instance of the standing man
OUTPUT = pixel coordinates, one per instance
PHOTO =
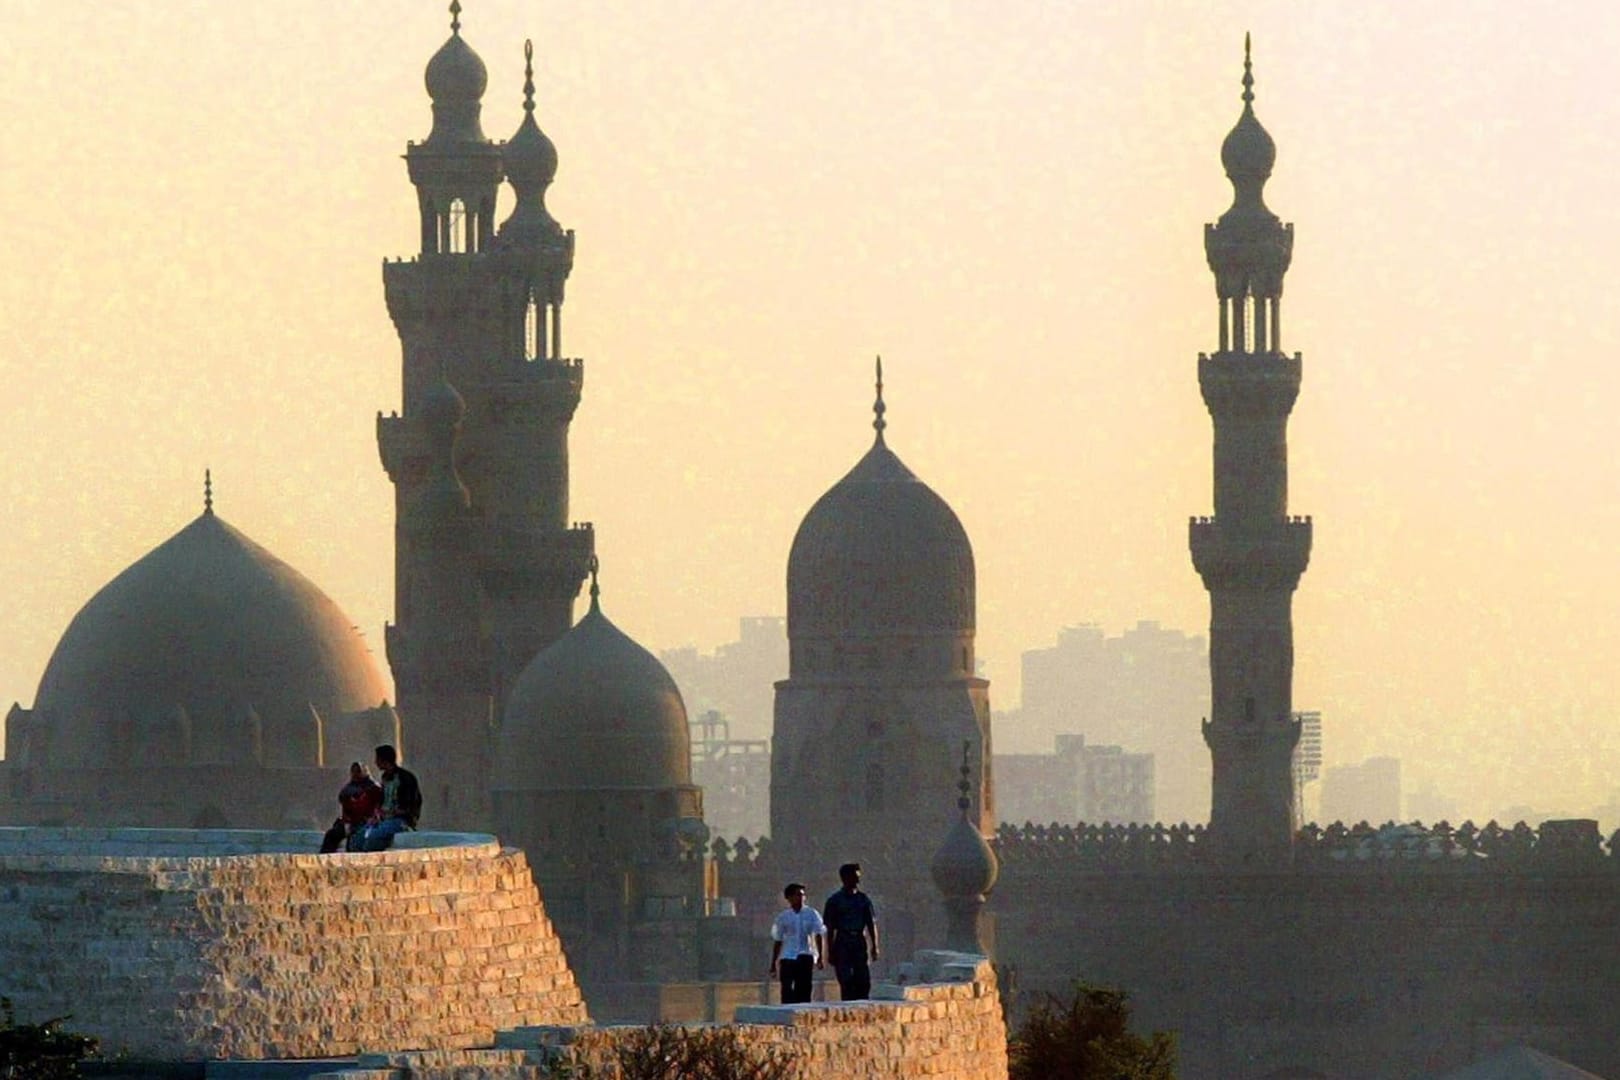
(401, 801)
(796, 938)
(851, 925)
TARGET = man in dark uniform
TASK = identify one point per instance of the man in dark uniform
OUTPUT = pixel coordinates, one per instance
(851, 928)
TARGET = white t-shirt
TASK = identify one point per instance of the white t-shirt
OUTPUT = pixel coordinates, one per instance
(797, 930)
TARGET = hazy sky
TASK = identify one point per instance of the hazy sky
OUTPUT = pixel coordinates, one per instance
(1004, 199)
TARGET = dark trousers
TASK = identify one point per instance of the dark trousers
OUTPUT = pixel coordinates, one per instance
(849, 963)
(796, 976)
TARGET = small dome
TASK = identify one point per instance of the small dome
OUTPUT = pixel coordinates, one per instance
(456, 79)
(965, 865)
(594, 710)
(530, 160)
(880, 554)
(1248, 152)
(456, 74)
(441, 407)
(210, 623)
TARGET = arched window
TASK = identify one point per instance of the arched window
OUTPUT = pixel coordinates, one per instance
(456, 228)
(534, 331)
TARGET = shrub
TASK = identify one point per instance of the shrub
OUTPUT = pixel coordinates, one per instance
(1088, 1037)
(39, 1051)
(667, 1052)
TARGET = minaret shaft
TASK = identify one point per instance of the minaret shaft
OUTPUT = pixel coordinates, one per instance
(1251, 553)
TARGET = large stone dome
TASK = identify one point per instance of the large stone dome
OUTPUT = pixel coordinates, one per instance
(880, 555)
(212, 626)
(594, 711)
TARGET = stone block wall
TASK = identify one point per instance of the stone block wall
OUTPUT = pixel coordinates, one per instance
(944, 1023)
(194, 944)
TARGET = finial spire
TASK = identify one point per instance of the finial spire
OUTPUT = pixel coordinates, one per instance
(878, 408)
(208, 491)
(596, 590)
(964, 785)
(528, 77)
(1248, 72)
(455, 16)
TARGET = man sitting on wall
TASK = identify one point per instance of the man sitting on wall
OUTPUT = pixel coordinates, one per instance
(401, 801)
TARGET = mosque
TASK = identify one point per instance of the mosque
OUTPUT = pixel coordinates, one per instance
(212, 685)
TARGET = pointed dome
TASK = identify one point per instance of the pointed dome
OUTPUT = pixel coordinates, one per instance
(456, 80)
(210, 623)
(965, 865)
(530, 160)
(1248, 152)
(880, 554)
(594, 710)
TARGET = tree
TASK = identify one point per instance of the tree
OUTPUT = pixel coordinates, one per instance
(1088, 1037)
(39, 1051)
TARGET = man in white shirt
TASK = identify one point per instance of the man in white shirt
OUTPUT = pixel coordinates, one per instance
(796, 938)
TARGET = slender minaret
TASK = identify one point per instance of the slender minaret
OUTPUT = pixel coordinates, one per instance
(1251, 553)
(487, 565)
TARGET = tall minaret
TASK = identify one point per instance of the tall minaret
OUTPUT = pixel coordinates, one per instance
(486, 564)
(1251, 553)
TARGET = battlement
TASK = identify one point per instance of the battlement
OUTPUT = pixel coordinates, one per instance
(1562, 845)
(1273, 555)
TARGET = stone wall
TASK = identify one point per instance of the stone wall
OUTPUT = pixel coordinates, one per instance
(1412, 961)
(945, 1024)
(194, 944)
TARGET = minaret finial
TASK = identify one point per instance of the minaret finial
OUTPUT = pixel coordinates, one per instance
(964, 785)
(596, 590)
(208, 491)
(528, 77)
(455, 16)
(1248, 72)
(878, 408)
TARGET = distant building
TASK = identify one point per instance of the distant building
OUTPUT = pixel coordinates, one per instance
(1146, 688)
(1369, 791)
(735, 775)
(1430, 805)
(739, 678)
(1307, 758)
(1075, 783)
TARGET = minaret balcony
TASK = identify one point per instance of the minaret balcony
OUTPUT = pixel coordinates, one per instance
(1270, 556)
(1238, 383)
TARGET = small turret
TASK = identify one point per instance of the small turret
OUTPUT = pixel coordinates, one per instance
(965, 869)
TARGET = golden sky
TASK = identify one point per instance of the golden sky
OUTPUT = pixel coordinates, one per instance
(1004, 199)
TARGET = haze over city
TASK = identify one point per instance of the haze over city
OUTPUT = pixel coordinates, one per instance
(1006, 203)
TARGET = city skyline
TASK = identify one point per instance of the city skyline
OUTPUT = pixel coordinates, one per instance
(1007, 205)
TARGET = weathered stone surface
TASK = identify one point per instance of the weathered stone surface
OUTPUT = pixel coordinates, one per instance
(184, 945)
(944, 1030)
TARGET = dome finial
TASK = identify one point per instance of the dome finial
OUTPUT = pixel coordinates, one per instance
(1248, 72)
(455, 16)
(208, 491)
(528, 76)
(878, 408)
(596, 590)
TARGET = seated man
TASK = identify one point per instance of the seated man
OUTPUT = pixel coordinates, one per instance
(401, 802)
(357, 801)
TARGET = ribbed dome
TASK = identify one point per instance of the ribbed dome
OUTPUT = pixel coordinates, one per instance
(880, 554)
(211, 623)
(595, 710)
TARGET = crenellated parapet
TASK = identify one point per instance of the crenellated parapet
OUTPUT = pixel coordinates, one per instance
(1271, 557)
(1560, 846)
